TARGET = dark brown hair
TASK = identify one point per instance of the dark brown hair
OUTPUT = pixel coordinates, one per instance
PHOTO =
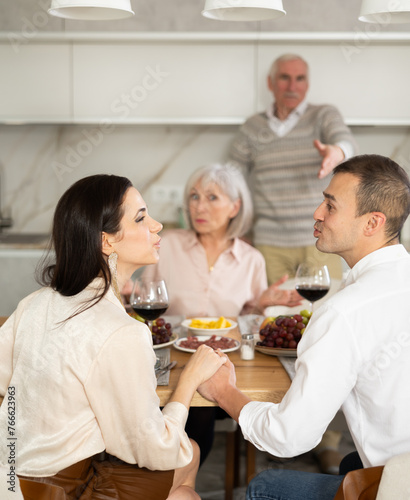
(383, 187)
(89, 207)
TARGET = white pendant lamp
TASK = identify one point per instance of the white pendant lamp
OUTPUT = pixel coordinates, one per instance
(385, 11)
(91, 10)
(243, 10)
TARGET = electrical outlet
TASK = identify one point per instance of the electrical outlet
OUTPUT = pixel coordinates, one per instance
(175, 195)
(159, 193)
(167, 194)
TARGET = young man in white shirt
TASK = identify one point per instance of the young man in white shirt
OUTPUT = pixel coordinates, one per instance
(354, 353)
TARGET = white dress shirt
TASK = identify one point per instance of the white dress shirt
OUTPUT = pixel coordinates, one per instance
(354, 355)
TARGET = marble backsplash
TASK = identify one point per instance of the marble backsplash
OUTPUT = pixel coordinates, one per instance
(39, 162)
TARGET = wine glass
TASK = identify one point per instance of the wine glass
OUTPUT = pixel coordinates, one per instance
(149, 299)
(312, 281)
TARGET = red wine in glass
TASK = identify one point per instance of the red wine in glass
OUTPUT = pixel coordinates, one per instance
(149, 299)
(312, 282)
(312, 292)
(150, 310)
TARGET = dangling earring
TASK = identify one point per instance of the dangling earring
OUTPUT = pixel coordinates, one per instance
(112, 264)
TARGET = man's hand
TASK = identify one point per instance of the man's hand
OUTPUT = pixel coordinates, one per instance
(221, 389)
(332, 156)
(219, 381)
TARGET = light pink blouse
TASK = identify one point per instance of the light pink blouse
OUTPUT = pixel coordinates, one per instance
(232, 287)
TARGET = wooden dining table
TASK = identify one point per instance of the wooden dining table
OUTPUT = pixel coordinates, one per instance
(261, 379)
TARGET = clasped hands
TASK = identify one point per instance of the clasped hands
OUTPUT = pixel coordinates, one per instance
(223, 377)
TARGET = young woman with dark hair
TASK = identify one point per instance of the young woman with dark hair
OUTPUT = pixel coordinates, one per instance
(82, 370)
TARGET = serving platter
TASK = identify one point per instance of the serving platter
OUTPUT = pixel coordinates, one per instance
(204, 338)
(173, 339)
(277, 351)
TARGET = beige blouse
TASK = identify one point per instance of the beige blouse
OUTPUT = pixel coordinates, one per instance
(83, 386)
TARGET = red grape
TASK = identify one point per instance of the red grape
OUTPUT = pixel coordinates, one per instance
(283, 331)
(161, 331)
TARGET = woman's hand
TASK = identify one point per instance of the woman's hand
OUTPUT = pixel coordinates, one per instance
(275, 296)
(203, 364)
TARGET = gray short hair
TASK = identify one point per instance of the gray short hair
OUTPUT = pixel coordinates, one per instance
(284, 58)
(231, 181)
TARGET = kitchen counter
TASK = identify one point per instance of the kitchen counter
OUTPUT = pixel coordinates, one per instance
(25, 241)
(19, 256)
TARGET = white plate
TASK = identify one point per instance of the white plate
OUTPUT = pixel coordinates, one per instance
(174, 338)
(212, 331)
(204, 338)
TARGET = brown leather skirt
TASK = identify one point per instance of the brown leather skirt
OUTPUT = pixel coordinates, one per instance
(105, 477)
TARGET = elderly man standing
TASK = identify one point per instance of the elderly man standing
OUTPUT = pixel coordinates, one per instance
(287, 151)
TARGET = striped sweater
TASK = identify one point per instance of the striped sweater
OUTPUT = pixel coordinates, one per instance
(282, 173)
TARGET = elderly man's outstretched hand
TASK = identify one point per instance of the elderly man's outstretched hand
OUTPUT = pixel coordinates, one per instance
(332, 156)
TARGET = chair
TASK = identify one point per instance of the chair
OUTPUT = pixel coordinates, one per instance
(34, 490)
(378, 483)
(360, 484)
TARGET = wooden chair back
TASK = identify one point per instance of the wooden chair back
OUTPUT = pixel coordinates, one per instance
(360, 484)
(34, 490)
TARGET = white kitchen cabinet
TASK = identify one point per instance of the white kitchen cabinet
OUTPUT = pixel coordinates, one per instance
(197, 78)
(367, 80)
(167, 81)
(35, 83)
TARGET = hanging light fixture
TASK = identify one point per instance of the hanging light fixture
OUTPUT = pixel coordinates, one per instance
(91, 10)
(385, 11)
(243, 10)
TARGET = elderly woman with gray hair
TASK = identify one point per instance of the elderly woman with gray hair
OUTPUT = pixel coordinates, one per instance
(210, 270)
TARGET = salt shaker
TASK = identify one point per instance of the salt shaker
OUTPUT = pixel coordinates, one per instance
(248, 346)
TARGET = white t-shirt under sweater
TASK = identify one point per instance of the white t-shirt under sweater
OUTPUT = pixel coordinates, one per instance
(83, 386)
(354, 355)
(282, 172)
